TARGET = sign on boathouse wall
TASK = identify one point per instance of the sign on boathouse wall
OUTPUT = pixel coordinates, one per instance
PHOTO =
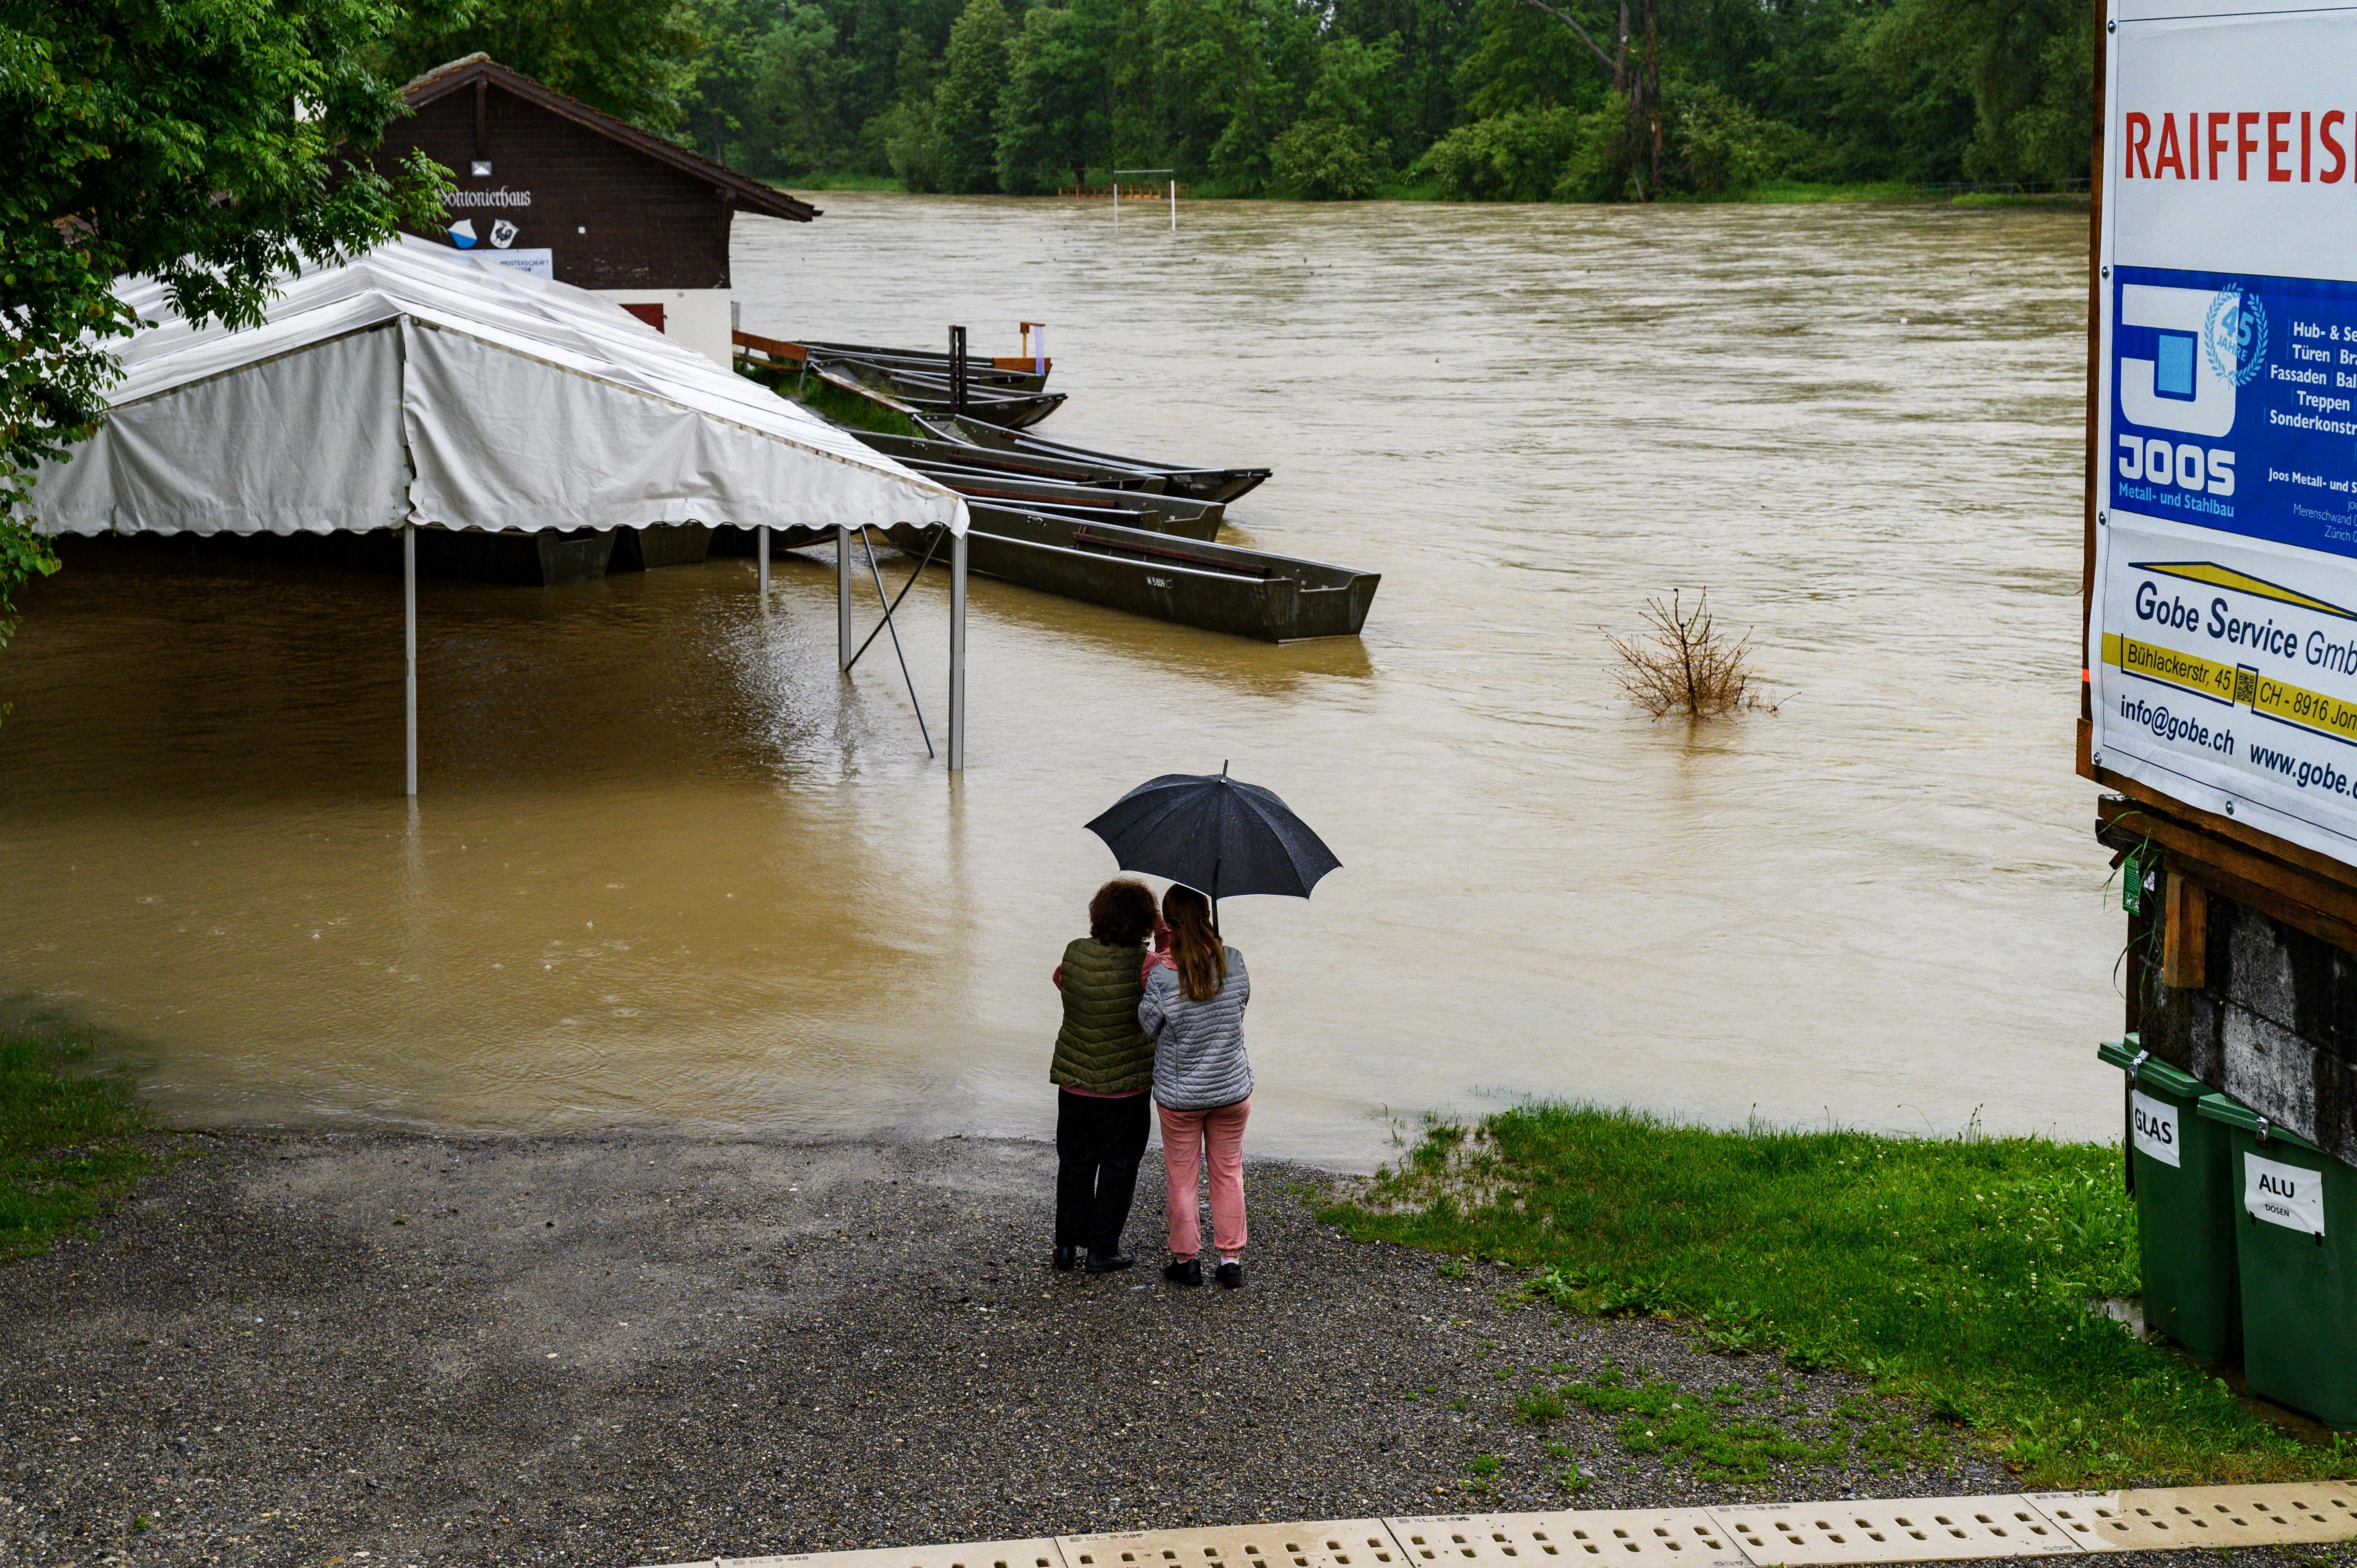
(2222, 647)
(549, 186)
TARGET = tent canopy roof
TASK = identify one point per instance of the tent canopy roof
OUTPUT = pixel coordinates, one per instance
(415, 384)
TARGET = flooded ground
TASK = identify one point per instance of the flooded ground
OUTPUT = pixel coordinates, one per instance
(668, 868)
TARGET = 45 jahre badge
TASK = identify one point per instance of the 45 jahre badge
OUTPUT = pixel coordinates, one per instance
(2236, 334)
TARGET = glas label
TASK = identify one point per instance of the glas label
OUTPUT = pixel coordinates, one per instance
(2156, 1128)
(2289, 1196)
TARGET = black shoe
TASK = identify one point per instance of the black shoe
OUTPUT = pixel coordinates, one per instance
(1189, 1272)
(1066, 1257)
(1107, 1262)
(1232, 1276)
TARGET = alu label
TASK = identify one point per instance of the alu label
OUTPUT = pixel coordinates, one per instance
(2156, 1129)
(2289, 1196)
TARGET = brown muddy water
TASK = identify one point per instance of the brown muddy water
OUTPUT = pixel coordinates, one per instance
(669, 869)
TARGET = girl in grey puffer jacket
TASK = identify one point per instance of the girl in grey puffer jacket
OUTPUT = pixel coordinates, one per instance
(1193, 1010)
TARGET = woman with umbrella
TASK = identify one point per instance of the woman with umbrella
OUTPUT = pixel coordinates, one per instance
(1210, 837)
(1193, 1010)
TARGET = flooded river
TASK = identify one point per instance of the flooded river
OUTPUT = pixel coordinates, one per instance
(668, 868)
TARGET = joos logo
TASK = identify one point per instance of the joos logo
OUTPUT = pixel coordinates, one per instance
(2206, 345)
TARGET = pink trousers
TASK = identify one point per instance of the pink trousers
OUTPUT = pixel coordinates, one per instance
(1188, 1138)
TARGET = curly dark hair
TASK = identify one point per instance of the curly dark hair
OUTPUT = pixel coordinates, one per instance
(1122, 914)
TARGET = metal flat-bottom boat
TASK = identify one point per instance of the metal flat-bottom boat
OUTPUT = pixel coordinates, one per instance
(1218, 588)
(1015, 374)
(916, 396)
(1012, 372)
(1179, 478)
(1131, 509)
(1016, 465)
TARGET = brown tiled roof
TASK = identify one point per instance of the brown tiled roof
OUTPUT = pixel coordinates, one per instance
(751, 195)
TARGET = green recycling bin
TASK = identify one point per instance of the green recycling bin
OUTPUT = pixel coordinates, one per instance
(2294, 1244)
(2188, 1206)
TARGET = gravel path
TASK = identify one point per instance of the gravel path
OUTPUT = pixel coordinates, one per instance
(391, 1350)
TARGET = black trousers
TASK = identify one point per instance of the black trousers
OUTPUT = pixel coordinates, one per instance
(1098, 1146)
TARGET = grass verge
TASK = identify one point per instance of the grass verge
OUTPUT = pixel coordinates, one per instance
(1956, 1272)
(1794, 192)
(70, 1142)
(838, 181)
(2075, 201)
(1784, 192)
(847, 409)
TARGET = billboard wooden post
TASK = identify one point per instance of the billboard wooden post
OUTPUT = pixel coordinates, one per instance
(2218, 689)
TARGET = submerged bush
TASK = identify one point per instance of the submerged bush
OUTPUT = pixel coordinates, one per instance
(1324, 158)
(1685, 664)
(1718, 145)
(1508, 158)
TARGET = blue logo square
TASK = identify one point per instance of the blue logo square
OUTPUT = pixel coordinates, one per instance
(2172, 364)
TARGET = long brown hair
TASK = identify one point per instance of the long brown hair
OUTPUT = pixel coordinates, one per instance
(1195, 947)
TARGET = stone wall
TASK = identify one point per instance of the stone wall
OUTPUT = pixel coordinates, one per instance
(2276, 1025)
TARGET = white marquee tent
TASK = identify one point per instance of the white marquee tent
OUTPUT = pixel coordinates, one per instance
(412, 386)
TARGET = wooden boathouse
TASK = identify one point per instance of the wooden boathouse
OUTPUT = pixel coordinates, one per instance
(549, 186)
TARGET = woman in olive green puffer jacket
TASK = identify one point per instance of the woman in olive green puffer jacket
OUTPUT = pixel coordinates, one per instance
(1102, 1068)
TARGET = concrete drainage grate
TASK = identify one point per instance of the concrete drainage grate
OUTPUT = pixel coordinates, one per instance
(1638, 1537)
(1771, 1535)
(1913, 1530)
(1333, 1544)
(2165, 1517)
(1037, 1554)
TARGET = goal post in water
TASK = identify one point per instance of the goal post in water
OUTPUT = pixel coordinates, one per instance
(1171, 173)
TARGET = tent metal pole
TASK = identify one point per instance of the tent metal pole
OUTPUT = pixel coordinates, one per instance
(762, 551)
(409, 649)
(842, 654)
(957, 653)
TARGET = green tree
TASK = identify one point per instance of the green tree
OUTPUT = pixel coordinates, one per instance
(797, 93)
(1233, 75)
(965, 105)
(212, 144)
(1332, 151)
(903, 132)
(1419, 105)
(633, 59)
(1485, 99)
(1055, 113)
(2028, 65)
(1720, 145)
(719, 116)
(1516, 157)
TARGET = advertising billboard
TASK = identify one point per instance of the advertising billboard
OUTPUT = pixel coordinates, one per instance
(2223, 645)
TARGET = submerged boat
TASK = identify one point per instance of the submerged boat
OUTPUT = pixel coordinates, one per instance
(1179, 478)
(916, 397)
(1018, 465)
(1017, 517)
(1218, 588)
(1003, 374)
(1134, 509)
(1009, 371)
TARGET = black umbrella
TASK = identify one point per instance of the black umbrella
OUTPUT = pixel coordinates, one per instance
(1221, 836)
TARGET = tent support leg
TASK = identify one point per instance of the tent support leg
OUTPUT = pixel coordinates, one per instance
(762, 552)
(957, 653)
(878, 629)
(893, 627)
(842, 654)
(409, 652)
